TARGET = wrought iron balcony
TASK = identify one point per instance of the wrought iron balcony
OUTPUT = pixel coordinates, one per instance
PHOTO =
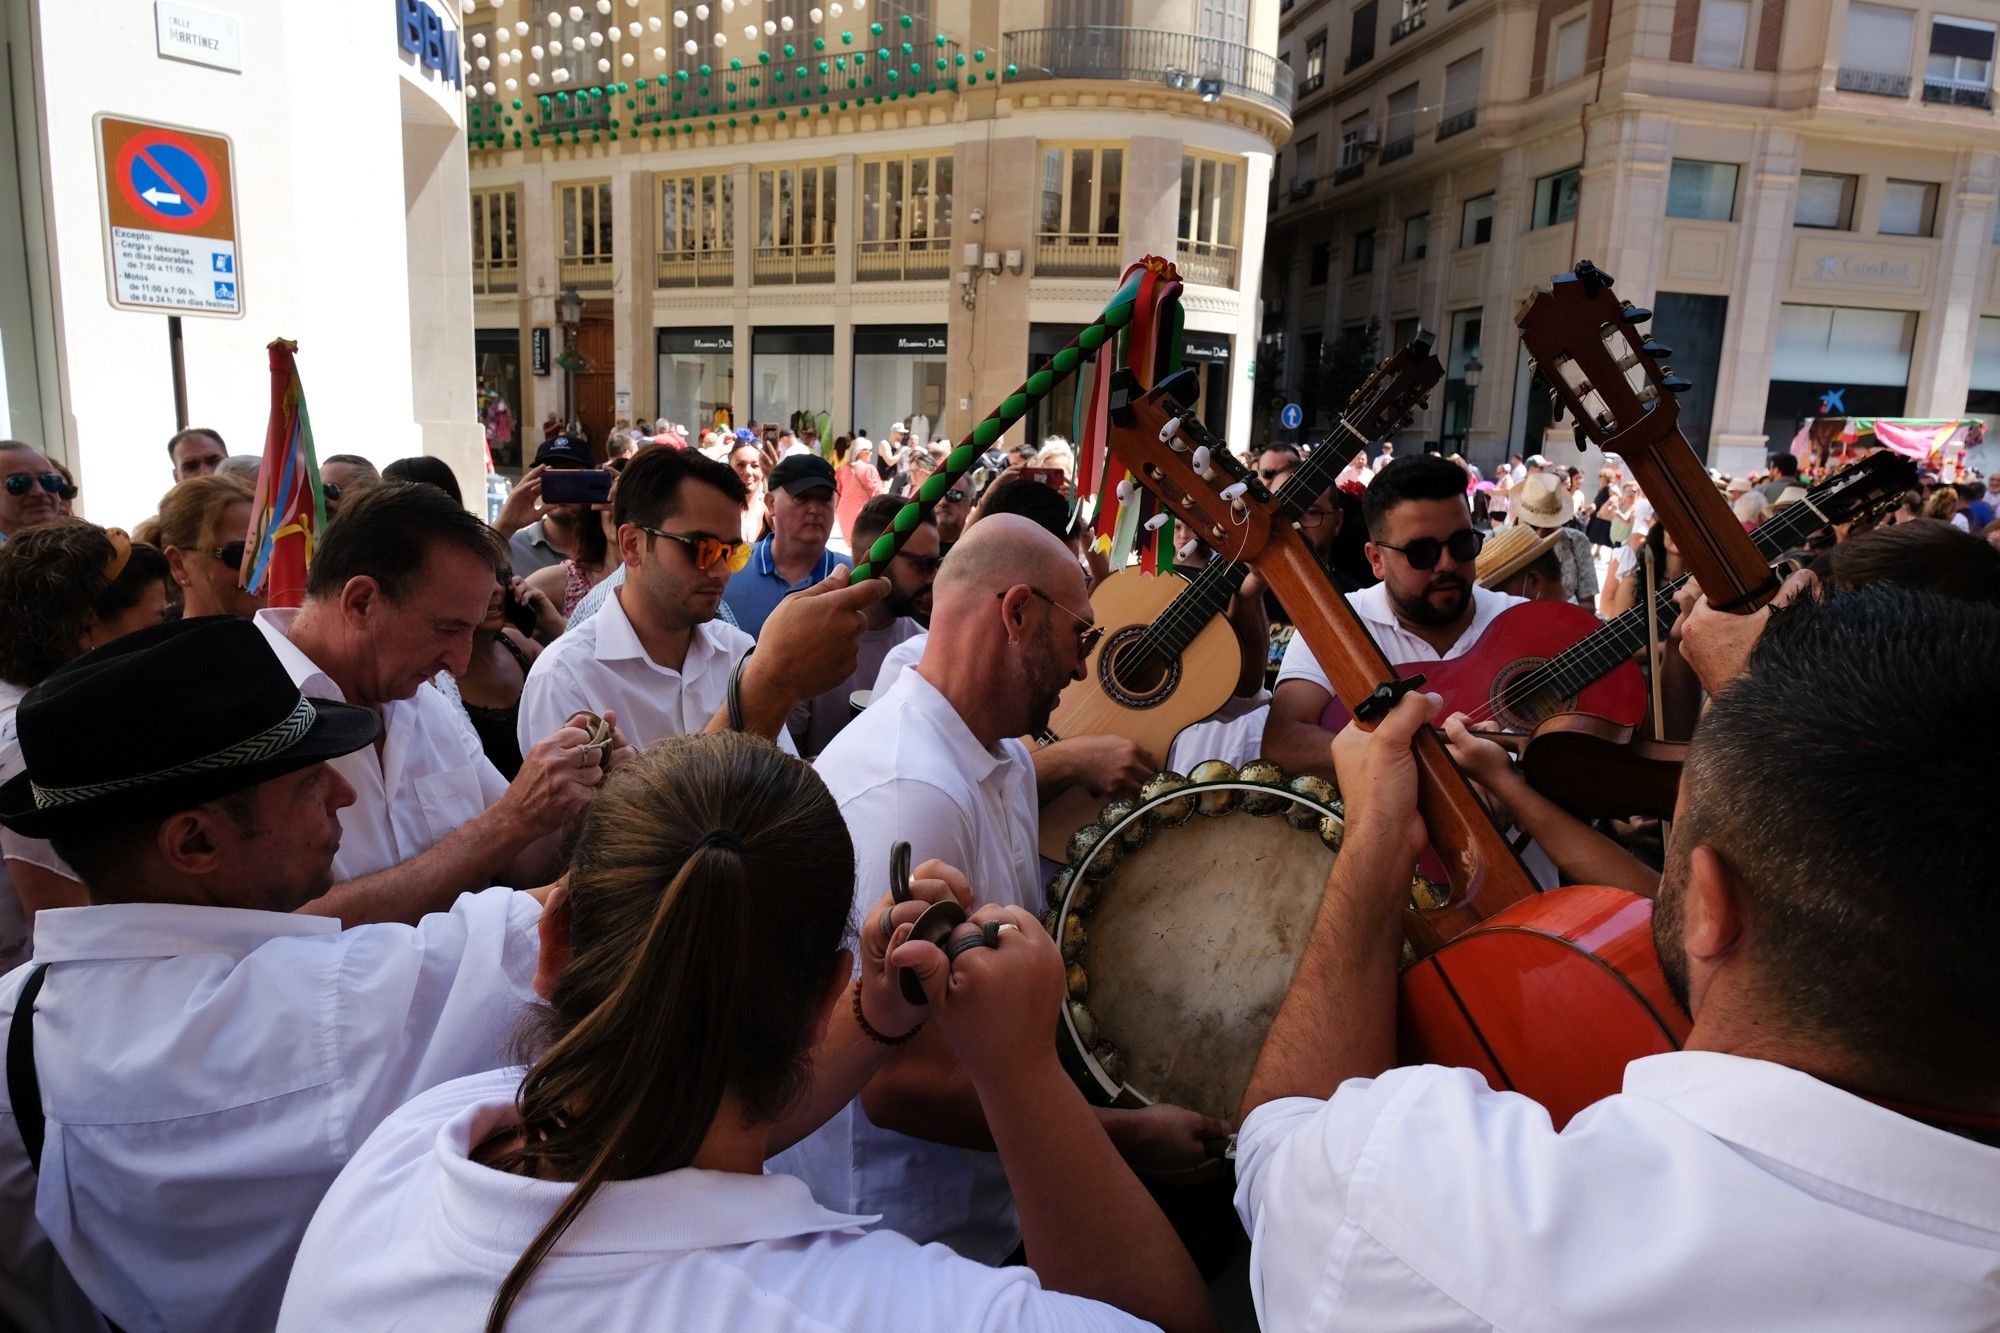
(1396, 148)
(1350, 172)
(1457, 124)
(1958, 94)
(1145, 55)
(1870, 81)
(1413, 19)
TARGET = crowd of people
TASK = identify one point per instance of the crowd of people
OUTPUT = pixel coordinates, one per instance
(504, 936)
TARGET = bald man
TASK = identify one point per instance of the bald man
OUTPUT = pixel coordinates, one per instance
(936, 763)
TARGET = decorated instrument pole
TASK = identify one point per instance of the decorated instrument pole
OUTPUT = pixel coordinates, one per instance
(1011, 409)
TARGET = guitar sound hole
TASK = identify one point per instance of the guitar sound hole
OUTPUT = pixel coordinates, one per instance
(1133, 674)
(1517, 706)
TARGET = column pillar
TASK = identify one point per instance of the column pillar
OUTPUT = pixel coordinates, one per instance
(632, 230)
(1487, 437)
(1947, 335)
(537, 245)
(744, 188)
(847, 204)
(1737, 439)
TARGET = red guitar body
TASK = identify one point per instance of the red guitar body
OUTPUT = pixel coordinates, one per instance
(1520, 639)
(1548, 997)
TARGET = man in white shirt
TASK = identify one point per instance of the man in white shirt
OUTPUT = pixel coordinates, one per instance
(897, 619)
(1824, 1153)
(655, 654)
(207, 1057)
(937, 763)
(395, 591)
(1428, 606)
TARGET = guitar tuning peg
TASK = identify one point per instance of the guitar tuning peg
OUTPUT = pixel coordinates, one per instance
(1201, 461)
(1655, 350)
(1235, 490)
(1673, 383)
(1188, 549)
(1636, 314)
(1157, 521)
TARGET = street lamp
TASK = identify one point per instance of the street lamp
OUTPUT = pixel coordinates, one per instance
(569, 313)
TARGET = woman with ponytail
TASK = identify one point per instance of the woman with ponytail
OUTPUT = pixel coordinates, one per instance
(702, 1014)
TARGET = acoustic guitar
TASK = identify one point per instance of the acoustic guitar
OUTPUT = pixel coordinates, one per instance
(1550, 994)
(1168, 659)
(1542, 659)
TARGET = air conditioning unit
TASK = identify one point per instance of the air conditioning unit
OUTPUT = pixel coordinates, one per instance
(1303, 186)
(1371, 137)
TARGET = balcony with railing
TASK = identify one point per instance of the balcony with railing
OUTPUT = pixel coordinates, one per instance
(785, 265)
(495, 277)
(1079, 254)
(1348, 171)
(587, 273)
(1209, 66)
(1457, 124)
(1938, 93)
(1206, 261)
(902, 261)
(1413, 19)
(1873, 82)
(1396, 148)
(696, 268)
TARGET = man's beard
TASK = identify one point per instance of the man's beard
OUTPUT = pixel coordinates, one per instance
(1044, 683)
(1420, 610)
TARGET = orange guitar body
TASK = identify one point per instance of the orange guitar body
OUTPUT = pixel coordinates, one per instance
(1549, 998)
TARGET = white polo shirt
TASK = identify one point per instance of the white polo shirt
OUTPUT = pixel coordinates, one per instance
(601, 665)
(688, 1249)
(1713, 1192)
(1399, 645)
(909, 770)
(816, 721)
(898, 660)
(207, 1071)
(428, 778)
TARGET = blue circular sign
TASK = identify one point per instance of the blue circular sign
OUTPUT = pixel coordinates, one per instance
(1291, 418)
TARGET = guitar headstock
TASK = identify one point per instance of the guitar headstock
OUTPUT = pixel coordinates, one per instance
(1219, 500)
(1586, 345)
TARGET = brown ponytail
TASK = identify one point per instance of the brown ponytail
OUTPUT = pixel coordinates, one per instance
(675, 995)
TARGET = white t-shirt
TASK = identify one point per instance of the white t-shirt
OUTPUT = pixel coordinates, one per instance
(416, 1235)
(207, 1071)
(908, 769)
(1398, 644)
(1714, 1192)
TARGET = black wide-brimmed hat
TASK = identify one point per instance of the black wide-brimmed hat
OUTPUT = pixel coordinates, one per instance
(163, 720)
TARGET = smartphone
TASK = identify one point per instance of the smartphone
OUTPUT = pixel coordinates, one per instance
(569, 486)
(1048, 476)
(519, 614)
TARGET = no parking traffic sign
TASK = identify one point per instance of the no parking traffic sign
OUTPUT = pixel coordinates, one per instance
(169, 217)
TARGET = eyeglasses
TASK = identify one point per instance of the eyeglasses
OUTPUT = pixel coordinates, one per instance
(1424, 551)
(1312, 518)
(706, 552)
(21, 483)
(1087, 637)
(1267, 473)
(923, 564)
(231, 555)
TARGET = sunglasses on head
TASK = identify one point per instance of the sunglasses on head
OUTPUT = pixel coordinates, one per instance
(21, 483)
(1423, 553)
(707, 552)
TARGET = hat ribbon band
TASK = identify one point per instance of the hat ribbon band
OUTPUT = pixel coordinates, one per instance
(267, 744)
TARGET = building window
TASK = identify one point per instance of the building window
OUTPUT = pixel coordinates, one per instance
(585, 211)
(1721, 32)
(796, 205)
(1354, 138)
(1960, 68)
(1476, 225)
(697, 230)
(1364, 251)
(1908, 208)
(1825, 200)
(1079, 235)
(905, 220)
(1460, 111)
(1875, 50)
(1705, 190)
(1416, 239)
(1400, 131)
(1315, 65)
(1567, 44)
(1555, 198)
(496, 266)
(1318, 261)
(1305, 166)
(1361, 36)
(1210, 203)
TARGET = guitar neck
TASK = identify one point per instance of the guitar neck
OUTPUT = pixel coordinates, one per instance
(1206, 596)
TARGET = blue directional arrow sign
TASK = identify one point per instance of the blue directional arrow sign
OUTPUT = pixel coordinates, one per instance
(1291, 418)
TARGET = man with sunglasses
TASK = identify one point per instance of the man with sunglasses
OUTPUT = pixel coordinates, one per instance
(31, 489)
(655, 653)
(1428, 606)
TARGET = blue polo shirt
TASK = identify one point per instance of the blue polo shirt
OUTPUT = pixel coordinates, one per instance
(756, 589)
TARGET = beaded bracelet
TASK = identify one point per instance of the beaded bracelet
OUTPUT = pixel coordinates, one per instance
(869, 1029)
(736, 690)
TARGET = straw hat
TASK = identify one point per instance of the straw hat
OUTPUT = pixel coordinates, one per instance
(1791, 495)
(1542, 501)
(1511, 550)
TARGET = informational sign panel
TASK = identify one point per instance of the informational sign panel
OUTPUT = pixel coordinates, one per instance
(169, 218)
(198, 36)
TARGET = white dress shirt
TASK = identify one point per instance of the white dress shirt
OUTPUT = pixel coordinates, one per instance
(1399, 645)
(688, 1249)
(427, 779)
(816, 721)
(909, 770)
(601, 665)
(1714, 1192)
(207, 1071)
(901, 657)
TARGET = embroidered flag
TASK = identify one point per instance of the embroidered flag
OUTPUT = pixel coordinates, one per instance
(289, 513)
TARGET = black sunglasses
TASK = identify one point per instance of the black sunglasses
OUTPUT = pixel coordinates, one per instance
(231, 555)
(1423, 553)
(956, 496)
(21, 483)
(923, 564)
